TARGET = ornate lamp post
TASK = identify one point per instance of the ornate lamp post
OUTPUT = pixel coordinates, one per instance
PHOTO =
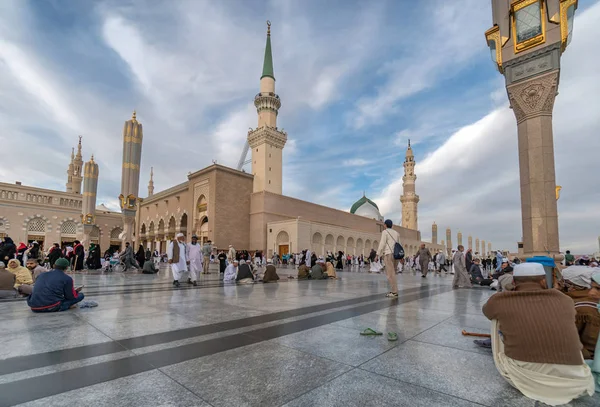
(526, 43)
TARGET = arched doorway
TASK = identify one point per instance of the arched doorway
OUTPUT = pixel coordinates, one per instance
(282, 243)
(183, 224)
(317, 244)
(203, 231)
(95, 235)
(350, 246)
(329, 243)
(359, 247)
(340, 244)
(151, 236)
(143, 237)
(201, 216)
(172, 226)
(160, 235)
(115, 239)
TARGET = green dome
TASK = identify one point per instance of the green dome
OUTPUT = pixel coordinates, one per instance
(361, 202)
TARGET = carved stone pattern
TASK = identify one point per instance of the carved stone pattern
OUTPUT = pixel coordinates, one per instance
(533, 97)
(267, 135)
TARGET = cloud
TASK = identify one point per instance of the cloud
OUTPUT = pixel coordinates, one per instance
(354, 86)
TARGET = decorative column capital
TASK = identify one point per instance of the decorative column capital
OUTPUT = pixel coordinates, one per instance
(533, 97)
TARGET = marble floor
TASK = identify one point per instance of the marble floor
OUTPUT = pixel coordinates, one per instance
(293, 343)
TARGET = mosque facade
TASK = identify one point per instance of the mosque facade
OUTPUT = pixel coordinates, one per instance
(217, 203)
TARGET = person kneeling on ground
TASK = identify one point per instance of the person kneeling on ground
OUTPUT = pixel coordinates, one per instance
(230, 272)
(317, 272)
(539, 352)
(303, 272)
(7, 283)
(244, 274)
(270, 273)
(54, 291)
(475, 272)
(330, 270)
(149, 267)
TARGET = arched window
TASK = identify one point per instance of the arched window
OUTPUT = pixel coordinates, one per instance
(36, 225)
(68, 228)
(114, 234)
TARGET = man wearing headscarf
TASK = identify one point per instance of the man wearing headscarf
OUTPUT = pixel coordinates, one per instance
(270, 273)
(194, 256)
(578, 286)
(176, 255)
(539, 352)
(424, 259)
(22, 274)
(230, 272)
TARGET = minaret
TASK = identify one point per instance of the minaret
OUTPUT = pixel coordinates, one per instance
(70, 172)
(267, 141)
(409, 198)
(489, 247)
(434, 233)
(476, 244)
(130, 176)
(88, 207)
(151, 182)
(449, 241)
(470, 242)
(77, 168)
(459, 239)
(483, 253)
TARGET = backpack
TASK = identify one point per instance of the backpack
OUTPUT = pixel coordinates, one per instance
(398, 250)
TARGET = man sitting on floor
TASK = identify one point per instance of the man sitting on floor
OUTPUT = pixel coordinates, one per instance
(7, 283)
(54, 291)
(270, 273)
(303, 272)
(317, 271)
(149, 267)
(539, 352)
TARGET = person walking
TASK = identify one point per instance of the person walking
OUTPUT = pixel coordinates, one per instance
(461, 275)
(206, 252)
(389, 238)
(176, 253)
(424, 259)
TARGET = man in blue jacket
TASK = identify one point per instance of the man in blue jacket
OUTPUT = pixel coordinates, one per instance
(53, 290)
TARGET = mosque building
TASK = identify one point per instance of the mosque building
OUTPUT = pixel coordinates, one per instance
(217, 203)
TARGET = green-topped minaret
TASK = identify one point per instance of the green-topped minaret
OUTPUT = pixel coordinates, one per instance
(268, 62)
(267, 141)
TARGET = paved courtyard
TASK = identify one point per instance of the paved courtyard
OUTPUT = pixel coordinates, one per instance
(286, 344)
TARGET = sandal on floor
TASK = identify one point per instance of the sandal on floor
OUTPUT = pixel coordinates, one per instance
(392, 336)
(370, 332)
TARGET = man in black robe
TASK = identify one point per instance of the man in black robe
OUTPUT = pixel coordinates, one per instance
(222, 261)
(78, 256)
(93, 260)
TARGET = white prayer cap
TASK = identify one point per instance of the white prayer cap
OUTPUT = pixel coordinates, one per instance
(235, 261)
(528, 269)
(504, 260)
(269, 261)
(242, 261)
(230, 246)
(179, 234)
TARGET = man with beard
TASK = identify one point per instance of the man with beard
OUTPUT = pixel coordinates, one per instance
(127, 257)
(195, 258)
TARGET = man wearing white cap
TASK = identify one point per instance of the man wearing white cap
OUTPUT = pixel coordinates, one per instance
(195, 257)
(176, 253)
(539, 352)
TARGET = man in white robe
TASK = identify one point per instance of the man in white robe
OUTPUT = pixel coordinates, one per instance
(177, 259)
(230, 272)
(308, 254)
(195, 258)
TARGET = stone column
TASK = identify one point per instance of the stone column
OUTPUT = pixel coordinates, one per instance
(532, 101)
(130, 176)
(483, 253)
(489, 247)
(88, 205)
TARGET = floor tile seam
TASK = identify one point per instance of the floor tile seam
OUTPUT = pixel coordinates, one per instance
(184, 386)
(448, 347)
(305, 352)
(124, 347)
(320, 385)
(423, 387)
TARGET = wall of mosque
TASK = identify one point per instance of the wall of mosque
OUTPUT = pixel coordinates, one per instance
(48, 216)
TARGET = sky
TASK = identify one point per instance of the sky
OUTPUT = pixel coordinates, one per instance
(356, 80)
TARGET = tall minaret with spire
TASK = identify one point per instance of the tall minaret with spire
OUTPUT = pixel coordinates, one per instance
(409, 198)
(449, 241)
(88, 206)
(151, 182)
(470, 242)
(130, 175)
(74, 177)
(267, 141)
(434, 233)
(459, 239)
(70, 172)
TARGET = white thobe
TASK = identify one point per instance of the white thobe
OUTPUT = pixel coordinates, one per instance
(195, 257)
(230, 274)
(180, 267)
(308, 254)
